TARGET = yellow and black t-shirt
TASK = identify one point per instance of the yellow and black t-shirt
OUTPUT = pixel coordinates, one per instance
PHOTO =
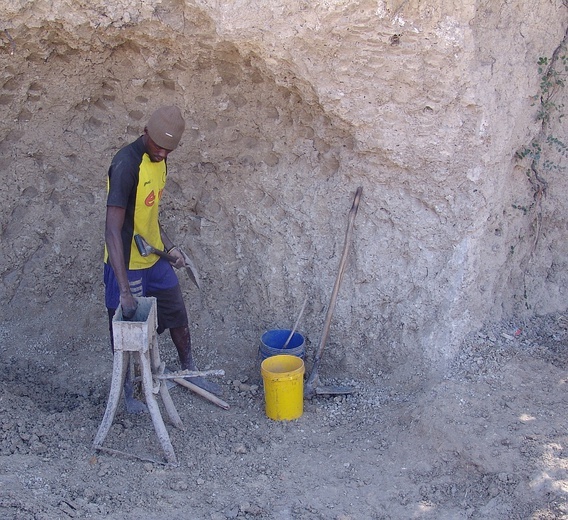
(136, 184)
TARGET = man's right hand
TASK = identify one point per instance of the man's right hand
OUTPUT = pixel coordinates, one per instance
(178, 255)
(129, 306)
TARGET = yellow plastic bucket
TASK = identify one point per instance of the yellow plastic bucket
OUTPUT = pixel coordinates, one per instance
(283, 378)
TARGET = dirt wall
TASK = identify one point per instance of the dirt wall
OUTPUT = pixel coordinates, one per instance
(290, 107)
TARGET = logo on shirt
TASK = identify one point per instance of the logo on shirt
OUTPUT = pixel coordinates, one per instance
(150, 199)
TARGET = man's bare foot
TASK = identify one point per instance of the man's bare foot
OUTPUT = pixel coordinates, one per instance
(134, 405)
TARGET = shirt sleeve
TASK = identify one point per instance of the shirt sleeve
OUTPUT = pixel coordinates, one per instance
(121, 182)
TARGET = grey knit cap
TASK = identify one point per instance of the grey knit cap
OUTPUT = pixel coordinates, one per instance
(166, 126)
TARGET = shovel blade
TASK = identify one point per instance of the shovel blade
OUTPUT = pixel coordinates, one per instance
(313, 387)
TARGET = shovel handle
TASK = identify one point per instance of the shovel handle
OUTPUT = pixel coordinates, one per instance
(310, 388)
(342, 264)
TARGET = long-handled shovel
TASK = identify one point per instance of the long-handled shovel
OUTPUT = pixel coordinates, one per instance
(312, 386)
(146, 249)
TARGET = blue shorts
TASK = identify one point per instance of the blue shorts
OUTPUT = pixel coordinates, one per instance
(159, 281)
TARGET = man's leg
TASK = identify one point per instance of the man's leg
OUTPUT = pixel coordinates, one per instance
(172, 315)
(132, 404)
(182, 340)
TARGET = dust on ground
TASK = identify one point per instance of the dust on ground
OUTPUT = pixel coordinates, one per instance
(488, 440)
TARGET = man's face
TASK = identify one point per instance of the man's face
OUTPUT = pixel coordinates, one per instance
(155, 152)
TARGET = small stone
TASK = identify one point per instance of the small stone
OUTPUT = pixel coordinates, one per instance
(179, 485)
(251, 509)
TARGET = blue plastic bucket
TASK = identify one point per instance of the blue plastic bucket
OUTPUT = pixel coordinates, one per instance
(272, 341)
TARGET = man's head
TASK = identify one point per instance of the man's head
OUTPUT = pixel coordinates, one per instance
(165, 128)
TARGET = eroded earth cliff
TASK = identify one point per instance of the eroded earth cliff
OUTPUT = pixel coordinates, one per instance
(439, 110)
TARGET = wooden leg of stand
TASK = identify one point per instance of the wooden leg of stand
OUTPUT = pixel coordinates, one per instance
(170, 407)
(118, 374)
(154, 409)
(164, 392)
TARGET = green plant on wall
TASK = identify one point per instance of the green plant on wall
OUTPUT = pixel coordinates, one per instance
(552, 78)
(553, 73)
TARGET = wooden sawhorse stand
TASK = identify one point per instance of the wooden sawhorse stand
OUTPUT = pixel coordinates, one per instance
(138, 336)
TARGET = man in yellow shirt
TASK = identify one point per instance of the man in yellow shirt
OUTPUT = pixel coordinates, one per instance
(136, 181)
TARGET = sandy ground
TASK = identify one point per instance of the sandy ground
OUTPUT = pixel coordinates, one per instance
(487, 441)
